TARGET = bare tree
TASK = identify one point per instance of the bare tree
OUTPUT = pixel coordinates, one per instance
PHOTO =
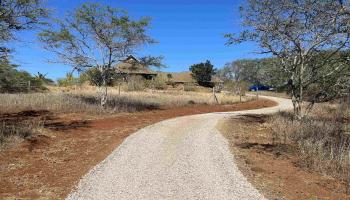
(300, 33)
(95, 36)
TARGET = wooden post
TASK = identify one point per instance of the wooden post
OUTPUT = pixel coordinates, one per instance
(257, 92)
(214, 96)
(29, 86)
(240, 94)
(119, 88)
(214, 93)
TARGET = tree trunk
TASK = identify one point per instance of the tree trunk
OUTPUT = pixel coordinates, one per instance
(297, 93)
(103, 96)
(103, 89)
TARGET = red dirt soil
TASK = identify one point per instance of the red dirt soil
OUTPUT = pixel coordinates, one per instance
(49, 166)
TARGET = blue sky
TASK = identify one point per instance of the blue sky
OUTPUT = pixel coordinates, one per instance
(188, 32)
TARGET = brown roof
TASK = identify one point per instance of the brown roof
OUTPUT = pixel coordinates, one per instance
(132, 66)
(185, 77)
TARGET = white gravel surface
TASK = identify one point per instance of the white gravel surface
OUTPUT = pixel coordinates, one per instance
(180, 158)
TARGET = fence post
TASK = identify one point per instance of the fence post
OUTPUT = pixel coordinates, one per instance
(240, 95)
(214, 96)
(28, 86)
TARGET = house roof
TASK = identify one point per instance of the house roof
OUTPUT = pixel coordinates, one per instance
(185, 77)
(131, 65)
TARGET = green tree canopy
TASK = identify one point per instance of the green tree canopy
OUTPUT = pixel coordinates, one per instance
(203, 73)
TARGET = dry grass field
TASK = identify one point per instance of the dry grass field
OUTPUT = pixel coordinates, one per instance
(21, 114)
(87, 100)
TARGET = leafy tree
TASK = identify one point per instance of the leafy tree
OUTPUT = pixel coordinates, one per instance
(95, 36)
(17, 15)
(296, 32)
(203, 73)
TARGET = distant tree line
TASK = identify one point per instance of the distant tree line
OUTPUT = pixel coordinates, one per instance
(254, 71)
(13, 80)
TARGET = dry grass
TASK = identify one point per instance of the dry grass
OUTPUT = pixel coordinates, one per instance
(322, 139)
(10, 131)
(87, 100)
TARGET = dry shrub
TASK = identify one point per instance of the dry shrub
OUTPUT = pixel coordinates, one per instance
(189, 88)
(159, 83)
(14, 131)
(135, 84)
(322, 139)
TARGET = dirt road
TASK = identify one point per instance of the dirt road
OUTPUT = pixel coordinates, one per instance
(181, 158)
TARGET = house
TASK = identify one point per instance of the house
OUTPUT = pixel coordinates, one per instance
(185, 78)
(131, 67)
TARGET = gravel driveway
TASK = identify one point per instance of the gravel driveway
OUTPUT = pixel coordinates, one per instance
(180, 158)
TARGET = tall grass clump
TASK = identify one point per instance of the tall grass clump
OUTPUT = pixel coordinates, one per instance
(14, 131)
